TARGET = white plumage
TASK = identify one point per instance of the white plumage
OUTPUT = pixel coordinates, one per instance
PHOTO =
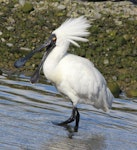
(72, 30)
(74, 76)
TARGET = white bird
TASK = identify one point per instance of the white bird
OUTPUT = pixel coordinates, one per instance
(73, 76)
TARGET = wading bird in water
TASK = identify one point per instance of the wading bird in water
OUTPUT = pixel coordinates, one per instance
(73, 76)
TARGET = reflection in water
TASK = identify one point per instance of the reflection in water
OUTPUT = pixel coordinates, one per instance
(27, 112)
(96, 142)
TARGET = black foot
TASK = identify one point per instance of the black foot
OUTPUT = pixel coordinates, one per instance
(74, 116)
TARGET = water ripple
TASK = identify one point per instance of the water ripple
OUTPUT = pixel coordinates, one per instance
(27, 112)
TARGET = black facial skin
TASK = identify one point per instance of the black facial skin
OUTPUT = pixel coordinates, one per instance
(49, 45)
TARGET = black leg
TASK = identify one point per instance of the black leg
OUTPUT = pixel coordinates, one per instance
(77, 120)
(74, 116)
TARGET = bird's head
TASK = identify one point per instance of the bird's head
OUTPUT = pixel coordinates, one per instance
(71, 31)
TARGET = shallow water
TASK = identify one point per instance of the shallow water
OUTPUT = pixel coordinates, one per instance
(27, 112)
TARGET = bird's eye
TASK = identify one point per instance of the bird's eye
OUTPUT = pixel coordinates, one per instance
(54, 39)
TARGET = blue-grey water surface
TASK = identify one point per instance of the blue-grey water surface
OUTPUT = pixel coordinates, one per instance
(27, 113)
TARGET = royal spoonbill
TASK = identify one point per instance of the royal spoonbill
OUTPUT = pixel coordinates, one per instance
(73, 76)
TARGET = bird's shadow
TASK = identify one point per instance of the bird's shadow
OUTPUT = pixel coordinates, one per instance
(69, 128)
(90, 141)
(71, 131)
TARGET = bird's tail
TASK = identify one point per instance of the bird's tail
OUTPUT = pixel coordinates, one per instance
(110, 98)
(104, 100)
(107, 100)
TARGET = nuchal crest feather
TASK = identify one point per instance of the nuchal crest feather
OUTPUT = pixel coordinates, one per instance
(72, 30)
(73, 76)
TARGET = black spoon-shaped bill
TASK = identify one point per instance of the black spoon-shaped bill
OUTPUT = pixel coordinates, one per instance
(20, 62)
(50, 44)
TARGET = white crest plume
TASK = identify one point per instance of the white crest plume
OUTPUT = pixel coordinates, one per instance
(73, 29)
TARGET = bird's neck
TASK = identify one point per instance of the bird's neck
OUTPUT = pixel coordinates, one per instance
(53, 60)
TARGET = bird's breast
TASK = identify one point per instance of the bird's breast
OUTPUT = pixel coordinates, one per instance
(52, 73)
